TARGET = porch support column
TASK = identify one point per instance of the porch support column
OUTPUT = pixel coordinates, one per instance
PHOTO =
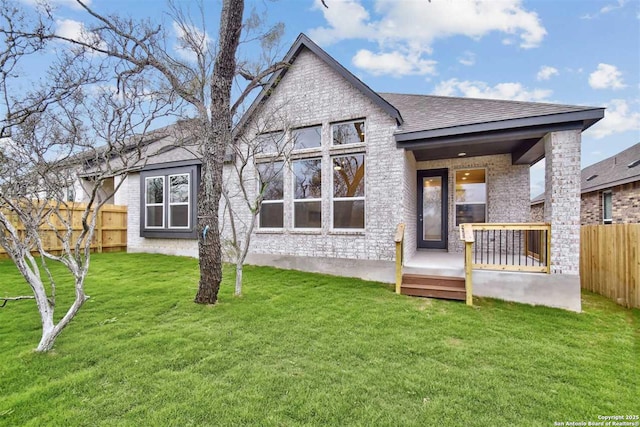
(562, 199)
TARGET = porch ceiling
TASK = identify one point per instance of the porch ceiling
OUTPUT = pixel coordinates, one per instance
(520, 137)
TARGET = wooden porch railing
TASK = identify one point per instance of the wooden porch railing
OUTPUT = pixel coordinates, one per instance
(524, 247)
(399, 239)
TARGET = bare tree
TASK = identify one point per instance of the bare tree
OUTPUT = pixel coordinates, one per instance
(78, 119)
(255, 180)
(205, 83)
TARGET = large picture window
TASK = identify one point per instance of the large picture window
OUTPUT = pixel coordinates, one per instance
(471, 196)
(310, 137)
(348, 133)
(348, 191)
(168, 202)
(307, 193)
(271, 186)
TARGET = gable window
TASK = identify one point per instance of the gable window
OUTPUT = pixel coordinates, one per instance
(270, 143)
(307, 193)
(168, 207)
(348, 191)
(607, 207)
(272, 188)
(471, 196)
(310, 137)
(348, 133)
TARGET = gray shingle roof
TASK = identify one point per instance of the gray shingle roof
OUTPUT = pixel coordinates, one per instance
(427, 112)
(608, 173)
(612, 171)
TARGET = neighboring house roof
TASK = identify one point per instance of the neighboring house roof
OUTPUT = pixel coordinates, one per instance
(621, 168)
(538, 199)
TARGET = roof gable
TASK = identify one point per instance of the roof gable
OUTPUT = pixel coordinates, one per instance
(304, 42)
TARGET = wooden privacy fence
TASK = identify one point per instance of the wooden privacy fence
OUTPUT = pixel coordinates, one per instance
(110, 233)
(610, 262)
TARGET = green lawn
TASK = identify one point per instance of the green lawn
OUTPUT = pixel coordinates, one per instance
(307, 349)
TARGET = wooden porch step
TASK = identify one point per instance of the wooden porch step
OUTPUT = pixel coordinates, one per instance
(444, 287)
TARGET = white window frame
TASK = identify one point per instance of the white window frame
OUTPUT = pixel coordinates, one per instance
(604, 210)
(486, 195)
(339, 199)
(147, 204)
(188, 202)
(293, 194)
(273, 201)
(366, 132)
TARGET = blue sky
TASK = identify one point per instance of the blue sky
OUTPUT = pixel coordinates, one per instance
(584, 52)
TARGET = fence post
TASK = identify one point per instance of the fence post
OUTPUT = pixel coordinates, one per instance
(399, 239)
(99, 230)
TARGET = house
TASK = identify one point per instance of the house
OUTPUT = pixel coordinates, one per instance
(610, 191)
(362, 162)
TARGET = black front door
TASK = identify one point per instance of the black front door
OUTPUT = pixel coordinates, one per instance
(432, 208)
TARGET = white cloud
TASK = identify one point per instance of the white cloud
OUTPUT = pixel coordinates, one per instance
(393, 63)
(411, 27)
(611, 7)
(190, 40)
(73, 4)
(618, 118)
(606, 76)
(76, 30)
(475, 89)
(546, 72)
(467, 58)
(605, 9)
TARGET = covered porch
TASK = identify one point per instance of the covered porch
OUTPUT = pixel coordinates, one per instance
(476, 171)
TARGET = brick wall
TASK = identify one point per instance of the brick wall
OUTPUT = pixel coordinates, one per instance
(562, 199)
(625, 205)
(507, 190)
(537, 212)
(311, 93)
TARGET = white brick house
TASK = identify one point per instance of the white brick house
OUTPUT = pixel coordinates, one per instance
(363, 162)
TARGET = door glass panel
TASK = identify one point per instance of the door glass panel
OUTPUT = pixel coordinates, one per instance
(432, 208)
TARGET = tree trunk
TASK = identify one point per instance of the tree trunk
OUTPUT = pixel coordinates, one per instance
(216, 140)
(238, 291)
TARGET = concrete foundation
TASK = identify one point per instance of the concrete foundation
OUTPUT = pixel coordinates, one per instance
(551, 290)
(378, 271)
(557, 290)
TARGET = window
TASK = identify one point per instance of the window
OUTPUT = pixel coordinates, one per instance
(348, 133)
(168, 207)
(272, 188)
(471, 196)
(607, 207)
(310, 137)
(348, 191)
(179, 201)
(270, 143)
(307, 193)
(154, 196)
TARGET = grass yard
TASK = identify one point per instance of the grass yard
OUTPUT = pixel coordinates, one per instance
(307, 349)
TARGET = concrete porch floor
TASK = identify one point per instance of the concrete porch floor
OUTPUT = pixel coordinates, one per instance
(435, 263)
